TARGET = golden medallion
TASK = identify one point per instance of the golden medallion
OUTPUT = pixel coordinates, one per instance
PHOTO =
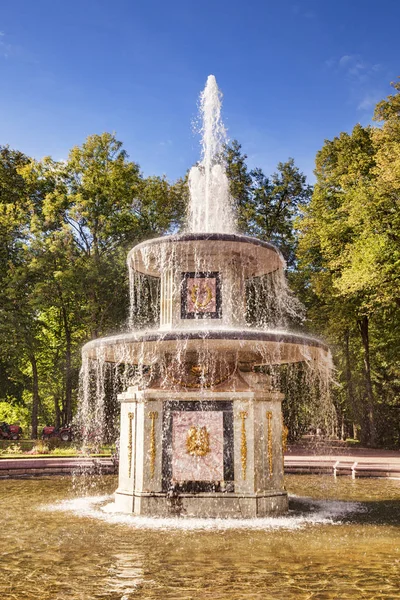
(201, 296)
(198, 441)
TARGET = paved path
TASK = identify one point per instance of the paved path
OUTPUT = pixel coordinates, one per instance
(356, 462)
(341, 460)
(17, 467)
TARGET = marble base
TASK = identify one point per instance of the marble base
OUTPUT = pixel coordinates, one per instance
(214, 505)
(202, 454)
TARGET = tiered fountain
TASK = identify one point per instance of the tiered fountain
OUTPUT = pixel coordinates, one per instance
(201, 424)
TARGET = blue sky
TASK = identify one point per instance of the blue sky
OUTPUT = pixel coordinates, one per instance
(293, 73)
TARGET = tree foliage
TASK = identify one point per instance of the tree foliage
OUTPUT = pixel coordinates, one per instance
(267, 206)
(66, 228)
(350, 268)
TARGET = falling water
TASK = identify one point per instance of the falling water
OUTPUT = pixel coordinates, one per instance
(210, 205)
(266, 303)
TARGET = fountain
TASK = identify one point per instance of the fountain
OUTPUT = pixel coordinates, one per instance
(201, 422)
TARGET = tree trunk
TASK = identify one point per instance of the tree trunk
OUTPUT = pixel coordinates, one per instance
(68, 370)
(94, 295)
(57, 411)
(351, 400)
(35, 396)
(363, 326)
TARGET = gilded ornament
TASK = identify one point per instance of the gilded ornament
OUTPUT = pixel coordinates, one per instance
(285, 433)
(197, 370)
(198, 441)
(153, 416)
(269, 431)
(130, 417)
(243, 445)
(195, 293)
(200, 372)
(198, 384)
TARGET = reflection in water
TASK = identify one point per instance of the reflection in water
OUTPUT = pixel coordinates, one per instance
(80, 552)
(126, 575)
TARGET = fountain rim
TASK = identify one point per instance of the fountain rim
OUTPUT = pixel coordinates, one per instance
(259, 263)
(192, 237)
(276, 336)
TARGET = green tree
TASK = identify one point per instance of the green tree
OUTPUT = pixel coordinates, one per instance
(278, 202)
(349, 262)
(19, 320)
(93, 208)
(240, 181)
(267, 206)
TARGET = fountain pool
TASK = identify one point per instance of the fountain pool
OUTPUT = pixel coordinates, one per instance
(58, 545)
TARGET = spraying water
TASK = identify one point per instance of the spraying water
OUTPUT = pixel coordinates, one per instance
(210, 207)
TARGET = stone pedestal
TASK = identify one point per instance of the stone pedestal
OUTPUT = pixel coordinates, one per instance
(202, 453)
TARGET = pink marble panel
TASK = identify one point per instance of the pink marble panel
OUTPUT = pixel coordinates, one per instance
(201, 294)
(189, 467)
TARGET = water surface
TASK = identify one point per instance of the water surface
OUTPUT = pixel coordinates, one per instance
(58, 544)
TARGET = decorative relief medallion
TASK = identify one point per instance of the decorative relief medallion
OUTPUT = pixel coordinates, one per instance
(197, 446)
(243, 444)
(201, 296)
(198, 441)
(197, 370)
(153, 416)
(195, 376)
(130, 417)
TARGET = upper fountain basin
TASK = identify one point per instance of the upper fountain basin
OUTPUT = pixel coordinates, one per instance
(198, 251)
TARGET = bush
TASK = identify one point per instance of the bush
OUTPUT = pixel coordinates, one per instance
(13, 449)
(352, 442)
(66, 451)
(40, 447)
(15, 415)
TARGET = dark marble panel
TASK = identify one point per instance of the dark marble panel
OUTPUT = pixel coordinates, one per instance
(212, 286)
(168, 485)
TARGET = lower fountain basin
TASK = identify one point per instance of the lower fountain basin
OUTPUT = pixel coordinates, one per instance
(242, 345)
